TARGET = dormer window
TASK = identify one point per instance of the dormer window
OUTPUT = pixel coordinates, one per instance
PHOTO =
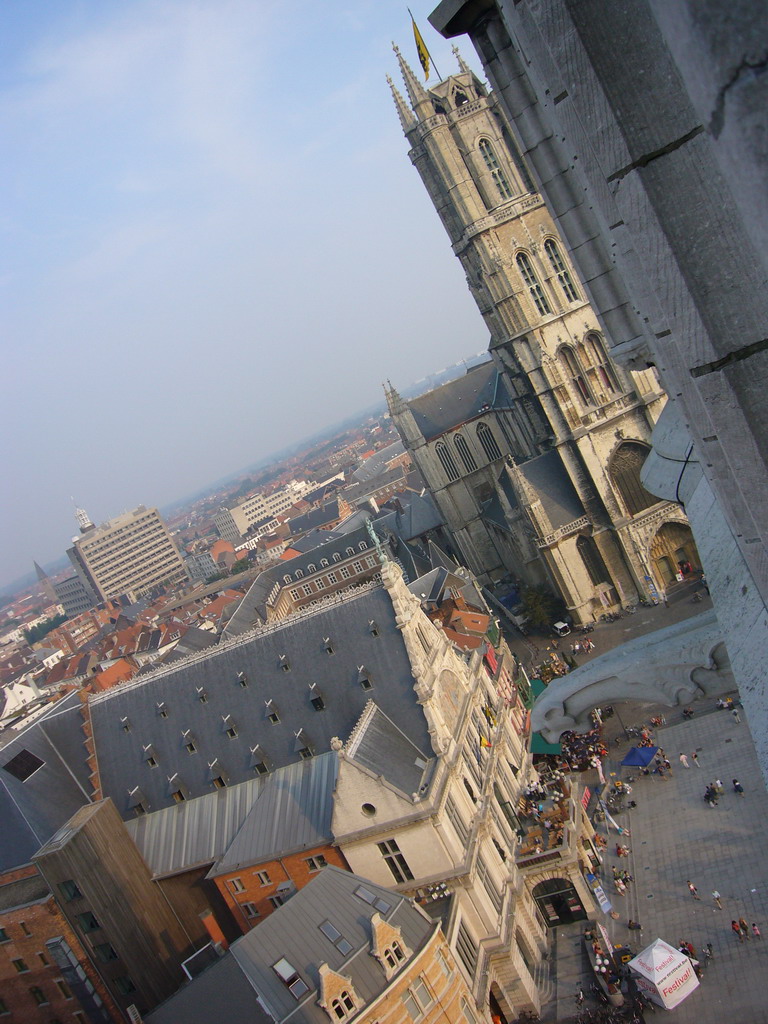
(242, 678)
(323, 563)
(316, 697)
(229, 726)
(393, 955)
(299, 574)
(373, 629)
(364, 677)
(336, 556)
(125, 725)
(202, 696)
(189, 742)
(259, 760)
(271, 712)
(150, 756)
(290, 977)
(162, 709)
(285, 664)
(350, 551)
(311, 567)
(286, 579)
(343, 1005)
(327, 645)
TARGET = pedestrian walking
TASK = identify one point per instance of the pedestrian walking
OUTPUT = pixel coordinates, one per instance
(744, 928)
(693, 890)
(756, 932)
(736, 716)
(719, 787)
(737, 787)
(684, 761)
(736, 930)
(716, 898)
(695, 759)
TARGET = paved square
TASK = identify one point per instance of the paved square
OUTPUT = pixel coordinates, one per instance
(676, 836)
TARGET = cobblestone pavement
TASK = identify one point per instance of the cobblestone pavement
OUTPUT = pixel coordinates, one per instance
(676, 836)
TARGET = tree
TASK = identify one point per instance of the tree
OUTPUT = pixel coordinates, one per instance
(540, 606)
(43, 628)
(240, 566)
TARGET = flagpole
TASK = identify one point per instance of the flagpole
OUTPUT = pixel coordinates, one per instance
(431, 58)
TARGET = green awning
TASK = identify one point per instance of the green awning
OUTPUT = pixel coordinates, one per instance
(540, 746)
(537, 688)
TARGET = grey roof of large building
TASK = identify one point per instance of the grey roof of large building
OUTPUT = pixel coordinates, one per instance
(292, 812)
(32, 810)
(549, 478)
(418, 514)
(345, 900)
(279, 665)
(376, 464)
(480, 389)
(379, 746)
(222, 993)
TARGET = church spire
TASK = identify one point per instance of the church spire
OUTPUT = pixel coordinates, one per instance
(463, 66)
(402, 417)
(417, 94)
(404, 112)
(41, 574)
(83, 519)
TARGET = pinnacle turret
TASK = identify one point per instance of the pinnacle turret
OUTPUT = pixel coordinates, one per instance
(404, 112)
(463, 66)
(417, 94)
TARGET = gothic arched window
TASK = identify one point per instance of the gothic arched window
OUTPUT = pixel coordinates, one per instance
(560, 269)
(489, 158)
(528, 275)
(597, 359)
(593, 560)
(488, 441)
(624, 469)
(575, 372)
(446, 461)
(466, 455)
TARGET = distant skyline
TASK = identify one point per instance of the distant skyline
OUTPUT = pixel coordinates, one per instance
(215, 245)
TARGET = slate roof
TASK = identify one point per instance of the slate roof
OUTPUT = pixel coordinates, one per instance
(447, 407)
(293, 932)
(298, 643)
(376, 464)
(419, 515)
(315, 518)
(548, 476)
(31, 811)
(380, 746)
(292, 812)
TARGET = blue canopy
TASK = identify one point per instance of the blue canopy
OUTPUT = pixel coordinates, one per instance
(639, 757)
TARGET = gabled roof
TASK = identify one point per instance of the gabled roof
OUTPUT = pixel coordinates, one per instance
(378, 745)
(292, 812)
(292, 932)
(419, 514)
(376, 464)
(480, 389)
(549, 478)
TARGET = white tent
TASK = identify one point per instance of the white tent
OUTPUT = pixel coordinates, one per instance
(664, 974)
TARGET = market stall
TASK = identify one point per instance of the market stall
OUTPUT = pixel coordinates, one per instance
(664, 974)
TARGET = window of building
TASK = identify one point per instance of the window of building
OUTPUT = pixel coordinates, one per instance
(561, 271)
(393, 955)
(316, 862)
(443, 964)
(466, 948)
(370, 561)
(311, 567)
(345, 573)
(124, 985)
(446, 461)
(179, 796)
(260, 767)
(69, 890)
(277, 900)
(295, 595)
(490, 161)
(357, 566)
(263, 877)
(307, 589)
(43, 959)
(343, 1005)
(242, 679)
(488, 442)
(417, 998)
(332, 578)
(593, 560)
(305, 753)
(105, 952)
(336, 556)
(464, 453)
(470, 791)
(576, 374)
(20, 966)
(250, 910)
(88, 921)
(600, 369)
(219, 782)
(317, 702)
(453, 815)
(330, 931)
(485, 877)
(202, 696)
(237, 885)
(23, 765)
(624, 470)
(3, 1008)
(231, 731)
(396, 862)
(39, 996)
(530, 279)
(4, 936)
(290, 977)
(162, 710)
(372, 899)
(323, 563)
(467, 1012)
(63, 988)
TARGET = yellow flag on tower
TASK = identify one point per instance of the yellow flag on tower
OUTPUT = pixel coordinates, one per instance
(421, 49)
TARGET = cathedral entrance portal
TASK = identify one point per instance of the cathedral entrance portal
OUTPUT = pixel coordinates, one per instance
(672, 544)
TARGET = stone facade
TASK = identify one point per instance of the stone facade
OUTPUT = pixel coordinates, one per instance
(657, 184)
(456, 838)
(563, 398)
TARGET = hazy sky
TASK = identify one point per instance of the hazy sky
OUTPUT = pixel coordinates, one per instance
(215, 244)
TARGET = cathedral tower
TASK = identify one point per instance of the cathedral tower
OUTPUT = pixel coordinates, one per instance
(588, 419)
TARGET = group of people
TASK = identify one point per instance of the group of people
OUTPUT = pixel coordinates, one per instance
(581, 749)
(716, 789)
(741, 930)
(621, 880)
